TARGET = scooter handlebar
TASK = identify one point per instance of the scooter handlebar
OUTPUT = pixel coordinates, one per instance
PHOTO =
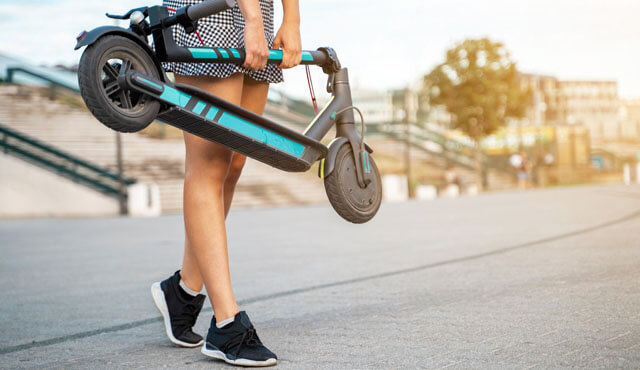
(209, 7)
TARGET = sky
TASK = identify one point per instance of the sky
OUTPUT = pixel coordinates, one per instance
(389, 44)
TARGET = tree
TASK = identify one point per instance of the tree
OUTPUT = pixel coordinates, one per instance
(479, 86)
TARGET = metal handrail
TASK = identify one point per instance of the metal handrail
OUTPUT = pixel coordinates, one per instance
(453, 150)
(11, 72)
(447, 154)
(79, 170)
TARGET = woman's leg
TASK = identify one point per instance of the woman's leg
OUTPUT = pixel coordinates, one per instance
(207, 165)
(254, 98)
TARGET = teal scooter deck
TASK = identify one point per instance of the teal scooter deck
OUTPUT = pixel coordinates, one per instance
(197, 112)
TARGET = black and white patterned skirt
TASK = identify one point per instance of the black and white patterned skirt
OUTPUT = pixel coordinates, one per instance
(223, 30)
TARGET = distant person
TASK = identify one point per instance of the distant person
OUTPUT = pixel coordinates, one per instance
(451, 180)
(450, 176)
(520, 163)
(212, 172)
(523, 172)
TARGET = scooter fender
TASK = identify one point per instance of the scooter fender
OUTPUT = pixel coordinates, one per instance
(89, 38)
(328, 163)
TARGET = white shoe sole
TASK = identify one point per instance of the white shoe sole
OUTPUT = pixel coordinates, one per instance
(240, 362)
(161, 303)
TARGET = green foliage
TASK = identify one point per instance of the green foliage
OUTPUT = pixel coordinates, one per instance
(478, 84)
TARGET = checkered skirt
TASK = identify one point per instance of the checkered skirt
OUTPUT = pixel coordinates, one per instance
(223, 30)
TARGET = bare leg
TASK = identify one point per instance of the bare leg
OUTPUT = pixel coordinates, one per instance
(207, 165)
(254, 98)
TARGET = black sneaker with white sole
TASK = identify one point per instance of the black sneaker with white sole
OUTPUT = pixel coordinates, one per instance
(237, 343)
(179, 310)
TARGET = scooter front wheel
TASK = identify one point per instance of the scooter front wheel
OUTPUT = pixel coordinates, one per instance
(101, 76)
(352, 202)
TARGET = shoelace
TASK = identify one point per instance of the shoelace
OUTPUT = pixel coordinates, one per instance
(189, 316)
(248, 338)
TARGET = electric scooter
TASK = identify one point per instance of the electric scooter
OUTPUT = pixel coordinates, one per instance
(125, 87)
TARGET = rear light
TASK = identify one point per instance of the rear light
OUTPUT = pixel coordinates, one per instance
(81, 35)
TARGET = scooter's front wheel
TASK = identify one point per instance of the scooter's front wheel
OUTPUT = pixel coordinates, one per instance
(351, 201)
(101, 76)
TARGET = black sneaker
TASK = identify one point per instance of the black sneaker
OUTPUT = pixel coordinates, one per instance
(237, 343)
(179, 310)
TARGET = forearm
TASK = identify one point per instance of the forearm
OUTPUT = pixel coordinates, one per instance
(251, 11)
(291, 10)
(255, 42)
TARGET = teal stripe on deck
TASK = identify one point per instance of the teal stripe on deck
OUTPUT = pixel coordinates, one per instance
(263, 135)
(150, 83)
(199, 107)
(211, 114)
(174, 96)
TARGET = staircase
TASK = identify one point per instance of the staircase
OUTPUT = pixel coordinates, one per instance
(74, 130)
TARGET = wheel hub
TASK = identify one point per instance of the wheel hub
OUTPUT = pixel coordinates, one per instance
(114, 68)
(360, 198)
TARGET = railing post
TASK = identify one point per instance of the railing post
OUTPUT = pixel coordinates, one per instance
(122, 191)
(52, 91)
(5, 147)
(407, 142)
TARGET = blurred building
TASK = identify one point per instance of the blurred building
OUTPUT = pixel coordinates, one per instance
(630, 119)
(546, 100)
(592, 104)
(376, 105)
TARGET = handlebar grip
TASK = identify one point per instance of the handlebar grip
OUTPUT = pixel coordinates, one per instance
(317, 57)
(209, 7)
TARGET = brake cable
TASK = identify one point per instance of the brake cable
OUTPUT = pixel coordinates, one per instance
(311, 89)
(363, 130)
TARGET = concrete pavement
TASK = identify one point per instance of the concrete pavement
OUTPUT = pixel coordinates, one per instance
(547, 279)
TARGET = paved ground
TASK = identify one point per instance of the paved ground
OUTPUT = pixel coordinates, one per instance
(547, 279)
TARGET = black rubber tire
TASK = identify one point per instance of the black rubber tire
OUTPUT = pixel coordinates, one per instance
(353, 203)
(92, 84)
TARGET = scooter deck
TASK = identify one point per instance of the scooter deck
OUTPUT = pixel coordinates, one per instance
(200, 113)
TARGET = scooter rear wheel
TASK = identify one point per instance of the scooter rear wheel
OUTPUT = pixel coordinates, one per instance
(353, 203)
(101, 78)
